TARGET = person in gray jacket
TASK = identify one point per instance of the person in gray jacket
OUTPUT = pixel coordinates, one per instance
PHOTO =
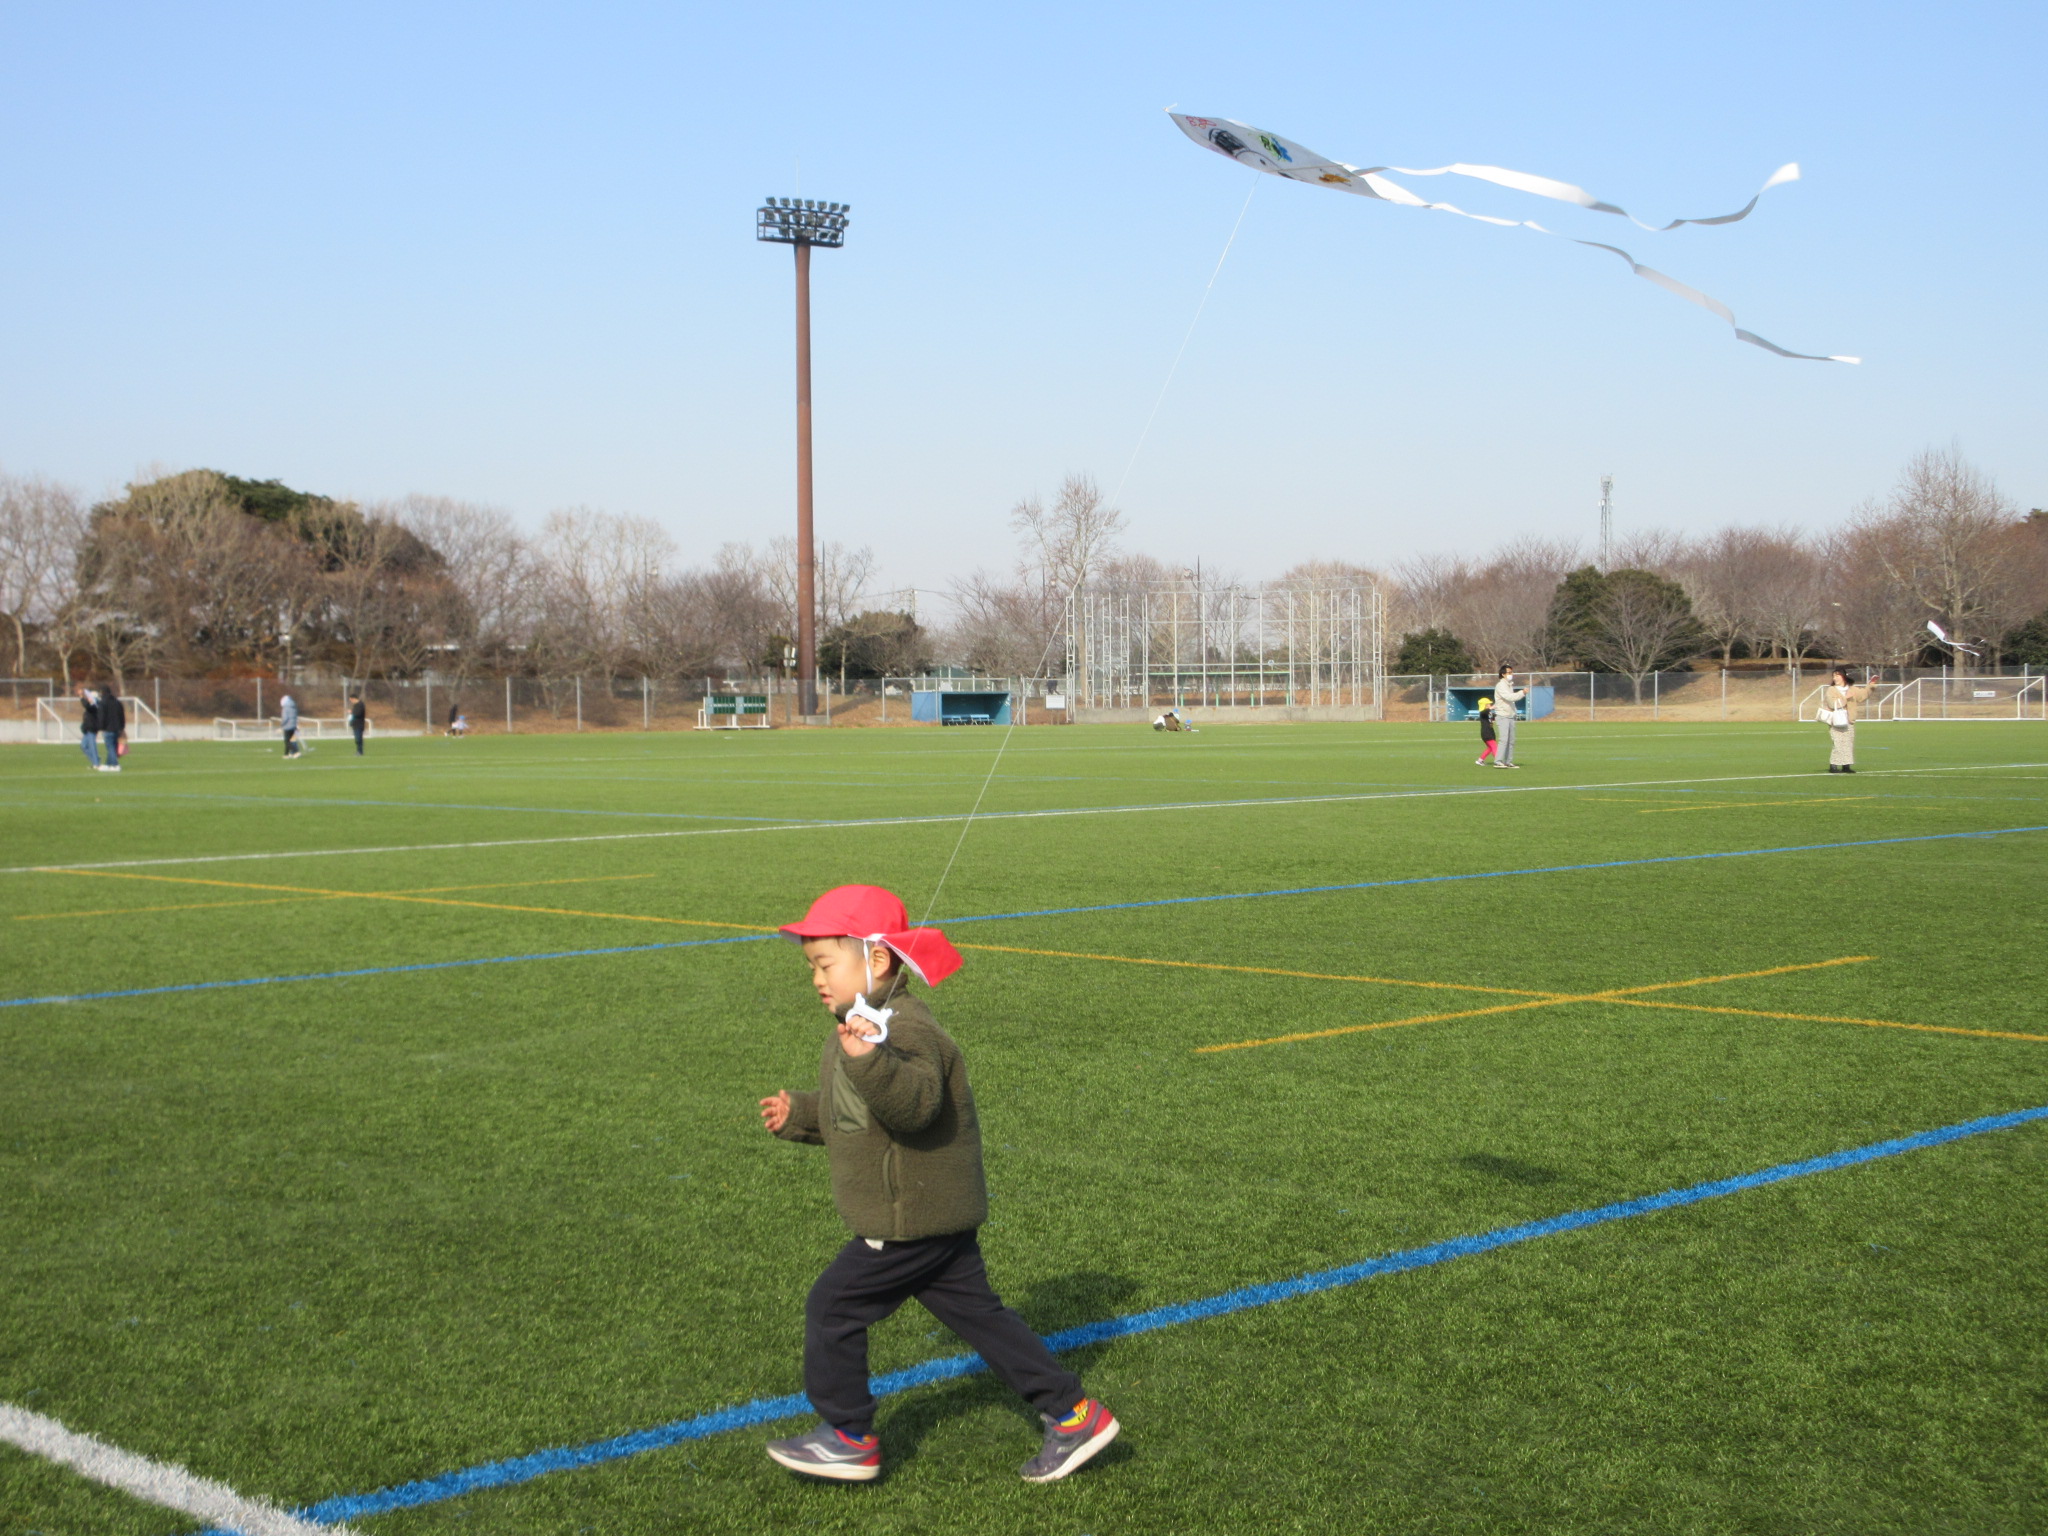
(288, 717)
(1505, 697)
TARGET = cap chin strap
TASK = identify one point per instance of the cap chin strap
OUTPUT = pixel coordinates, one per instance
(879, 1017)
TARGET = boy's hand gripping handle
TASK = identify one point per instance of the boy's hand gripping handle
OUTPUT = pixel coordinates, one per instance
(879, 1017)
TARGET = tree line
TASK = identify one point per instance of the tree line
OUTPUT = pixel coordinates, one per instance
(200, 573)
(1945, 545)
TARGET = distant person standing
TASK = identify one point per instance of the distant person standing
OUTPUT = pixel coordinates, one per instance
(113, 726)
(1505, 697)
(358, 721)
(1840, 701)
(288, 717)
(89, 725)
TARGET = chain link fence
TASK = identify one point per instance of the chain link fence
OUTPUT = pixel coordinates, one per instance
(195, 707)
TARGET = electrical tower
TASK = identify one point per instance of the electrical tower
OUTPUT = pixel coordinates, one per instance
(1606, 522)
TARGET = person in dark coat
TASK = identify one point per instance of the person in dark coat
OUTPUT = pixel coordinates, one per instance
(358, 720)
(89, 725)
(113, 726)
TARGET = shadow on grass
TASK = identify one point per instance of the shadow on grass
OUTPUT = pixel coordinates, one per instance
(1507, 1168)
(1084, 1296)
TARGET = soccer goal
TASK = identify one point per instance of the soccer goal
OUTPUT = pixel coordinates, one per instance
(57, 721)
(244, 730)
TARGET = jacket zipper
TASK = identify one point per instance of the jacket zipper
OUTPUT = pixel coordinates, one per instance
(889, 1188)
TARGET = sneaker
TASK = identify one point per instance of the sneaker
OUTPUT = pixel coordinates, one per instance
(830, 1453)
(1478, 762)
(1069, 1447)
(1848, 767)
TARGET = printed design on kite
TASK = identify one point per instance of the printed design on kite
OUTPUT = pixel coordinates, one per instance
(1227, 137)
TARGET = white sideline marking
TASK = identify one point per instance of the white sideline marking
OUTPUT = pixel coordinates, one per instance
(919, 821)
(157, 1482)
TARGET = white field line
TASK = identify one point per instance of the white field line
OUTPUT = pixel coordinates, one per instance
(164, 1484)
(918, 821)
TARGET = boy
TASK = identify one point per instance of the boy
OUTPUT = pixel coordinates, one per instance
(1487, 739)
(896, 1118)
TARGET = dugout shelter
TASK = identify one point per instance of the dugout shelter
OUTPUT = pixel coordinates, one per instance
(1463, 703)
(934, 706)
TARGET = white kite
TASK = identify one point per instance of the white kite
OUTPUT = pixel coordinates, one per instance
(1941, 634)
(1283, 157)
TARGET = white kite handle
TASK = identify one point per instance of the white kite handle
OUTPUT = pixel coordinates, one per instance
(879, 1017)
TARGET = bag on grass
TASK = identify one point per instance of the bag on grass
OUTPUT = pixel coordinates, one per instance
(121, 745)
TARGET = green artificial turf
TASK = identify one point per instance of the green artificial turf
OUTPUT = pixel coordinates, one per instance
(317, 1237)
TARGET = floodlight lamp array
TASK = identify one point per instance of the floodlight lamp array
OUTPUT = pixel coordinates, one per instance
(801, 221)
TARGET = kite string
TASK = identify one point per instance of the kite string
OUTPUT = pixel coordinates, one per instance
(1200, 305)
(1067, 608)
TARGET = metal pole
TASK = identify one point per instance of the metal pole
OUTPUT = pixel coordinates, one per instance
(579, 701)
(1724, 693)
(806, 569)
(508, 706)
(646, 707)
(430, 703)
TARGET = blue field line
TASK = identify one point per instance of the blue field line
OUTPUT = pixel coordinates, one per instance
(523, 1469)
(380, 970)
(996, 917)
(1489, 874)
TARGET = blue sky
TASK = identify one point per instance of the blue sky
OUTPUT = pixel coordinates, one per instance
(505, 252)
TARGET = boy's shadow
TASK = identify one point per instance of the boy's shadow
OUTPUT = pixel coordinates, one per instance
(1086, 1296)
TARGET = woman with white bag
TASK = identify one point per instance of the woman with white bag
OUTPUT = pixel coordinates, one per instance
(1838, 709)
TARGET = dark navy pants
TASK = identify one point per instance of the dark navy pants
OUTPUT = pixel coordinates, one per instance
(946, 1276)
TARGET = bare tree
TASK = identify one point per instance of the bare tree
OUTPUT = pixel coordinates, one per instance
(599, 573)
(1013, 625)
(1503, 611)
(1650, 549)
(1745, 588)
(1788, 599)
(41, 525)
(1871, 616)
(839, 577)
(1946, 536)
(489, 562)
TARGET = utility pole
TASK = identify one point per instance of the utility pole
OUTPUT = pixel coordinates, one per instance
(802, 222)
(1606, 522)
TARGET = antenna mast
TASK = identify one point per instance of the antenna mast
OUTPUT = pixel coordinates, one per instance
(1606, 521)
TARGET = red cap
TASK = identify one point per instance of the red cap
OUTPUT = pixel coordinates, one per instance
(875, 916)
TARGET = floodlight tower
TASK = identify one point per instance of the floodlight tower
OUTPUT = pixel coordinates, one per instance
(1606, 522)
(802, 222)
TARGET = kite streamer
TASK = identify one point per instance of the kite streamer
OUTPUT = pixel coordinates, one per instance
(1276, 156)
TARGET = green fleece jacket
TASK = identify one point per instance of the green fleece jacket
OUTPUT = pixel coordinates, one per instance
(899, 1128)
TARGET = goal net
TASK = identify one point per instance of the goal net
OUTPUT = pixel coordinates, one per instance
(57, 720)
(311, 728)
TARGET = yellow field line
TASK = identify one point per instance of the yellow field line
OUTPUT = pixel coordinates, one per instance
(1258, 970)
(273, 901)
(183, 906)
(1837, 1018)
(1737, 805)
(1552, 1001)
(1722, 805)
(430, 901)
